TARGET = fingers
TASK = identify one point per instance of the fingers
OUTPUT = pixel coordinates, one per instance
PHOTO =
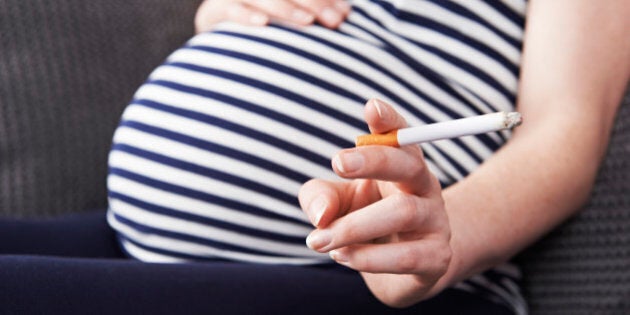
(325, 201)
(429, 259)
(404, 166)
(382, 117)
(329, 13)
(407, 216)
(211, 12)
(282, 10)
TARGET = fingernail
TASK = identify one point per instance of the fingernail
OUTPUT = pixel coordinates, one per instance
(349, 162)
(342, 6)
(338, 256)
(381, 109)
(330, 16)
(258, 19)
(302, 16)
(318, 239)
(317, 209)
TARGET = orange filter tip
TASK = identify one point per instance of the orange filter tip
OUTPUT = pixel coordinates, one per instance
(390, 139)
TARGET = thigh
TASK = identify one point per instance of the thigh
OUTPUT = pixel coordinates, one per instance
(33, 284)
(77, 235)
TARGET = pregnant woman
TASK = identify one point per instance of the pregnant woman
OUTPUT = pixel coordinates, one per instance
(210, 155)
(221, 165)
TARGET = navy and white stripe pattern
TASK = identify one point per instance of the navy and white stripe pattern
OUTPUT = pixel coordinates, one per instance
(209, 156)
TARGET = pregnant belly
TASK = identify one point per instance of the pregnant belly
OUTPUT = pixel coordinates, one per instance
(210, 154)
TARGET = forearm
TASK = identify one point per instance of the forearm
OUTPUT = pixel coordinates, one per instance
(575, 69)
(520, 194)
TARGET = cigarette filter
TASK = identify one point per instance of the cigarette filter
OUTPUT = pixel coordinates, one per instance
(444, 130)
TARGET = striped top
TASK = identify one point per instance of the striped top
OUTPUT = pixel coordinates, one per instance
(210, 154)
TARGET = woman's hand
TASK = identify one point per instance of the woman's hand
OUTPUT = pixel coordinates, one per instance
(329, 13)
(389, 222)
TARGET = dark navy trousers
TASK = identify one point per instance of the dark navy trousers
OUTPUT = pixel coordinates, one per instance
(73, 265)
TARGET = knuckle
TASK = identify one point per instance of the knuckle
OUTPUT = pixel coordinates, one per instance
(408, 261)
(418, 168)
(444, 258)
(315, 5)
(407, 209)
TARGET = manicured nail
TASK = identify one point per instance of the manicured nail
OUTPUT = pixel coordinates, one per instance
(302, 16)
(342, 6)
(381, 109)
(338, 256)
(330, 16)
(258, 19)
(319, 239)
(349, 162)
(317, 209)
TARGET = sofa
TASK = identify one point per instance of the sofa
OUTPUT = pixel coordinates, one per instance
(69, 67)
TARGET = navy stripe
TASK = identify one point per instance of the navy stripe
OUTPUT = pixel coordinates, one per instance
(453, 60)
(182, 214)
(281, 68)
(412, 87)
(209, 173)
(191, 258)
(499, 7)
(456, 164)
(143, 228)
(298, 124)
(448, 31)
(266, 112)
(367, 81)
(427, 72)
(228, 125)
(517, 17)
(219, 149)
(202, 196)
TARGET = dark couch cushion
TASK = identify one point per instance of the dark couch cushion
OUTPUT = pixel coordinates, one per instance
(67, 69)
(583, 267)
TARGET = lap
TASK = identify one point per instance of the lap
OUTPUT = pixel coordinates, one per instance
(32, 284)
(77, 235)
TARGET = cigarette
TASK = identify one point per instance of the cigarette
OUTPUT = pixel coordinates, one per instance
(444, 130)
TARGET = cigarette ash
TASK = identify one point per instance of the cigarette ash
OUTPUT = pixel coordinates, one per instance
(513, 119)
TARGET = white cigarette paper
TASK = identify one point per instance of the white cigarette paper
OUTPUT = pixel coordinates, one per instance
(444, 130)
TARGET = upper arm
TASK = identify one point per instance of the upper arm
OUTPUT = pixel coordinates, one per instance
(576, 62)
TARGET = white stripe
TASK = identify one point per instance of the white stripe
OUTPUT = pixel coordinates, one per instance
(456, 48)
(147, 256)
(446, 69)
(258, 96)
(213, 107)
(201, 251)
(228, 112)
(190, 154)
(356, 36)
(201, 208)
(284, 57)
(518, 303)
(382, 79)
(201, 183)
(208, 232)
(518, 6)
(447, 146)
(499, 291)
(324, 73)
(407, 74)
(492, 16)
(337, 78)
(224, 137)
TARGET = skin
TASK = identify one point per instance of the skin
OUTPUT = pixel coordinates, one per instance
(409, 239)
(329, 13)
